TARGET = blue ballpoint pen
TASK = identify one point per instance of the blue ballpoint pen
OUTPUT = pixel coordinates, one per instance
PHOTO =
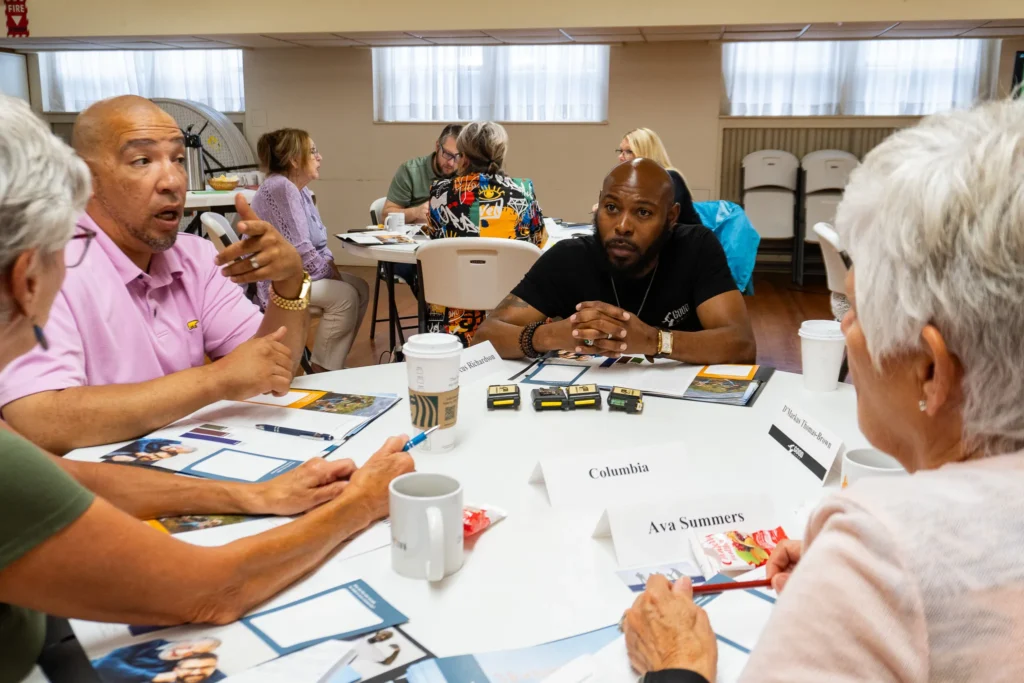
(419, 438)
(295, 432)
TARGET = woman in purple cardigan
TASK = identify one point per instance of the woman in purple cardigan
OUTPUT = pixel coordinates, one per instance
(291, 161)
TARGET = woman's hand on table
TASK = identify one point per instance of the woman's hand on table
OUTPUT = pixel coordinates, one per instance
(371, 481)
(666, 630)
(782, 562)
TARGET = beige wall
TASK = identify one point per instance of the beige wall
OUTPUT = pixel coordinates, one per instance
(670, 87)
(191, 17)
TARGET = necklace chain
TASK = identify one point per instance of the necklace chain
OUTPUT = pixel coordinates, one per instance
(616, 291)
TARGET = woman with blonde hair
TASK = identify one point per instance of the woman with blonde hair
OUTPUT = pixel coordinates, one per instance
(645, 143)
(917, 578)
(482, 200)
(291, 161)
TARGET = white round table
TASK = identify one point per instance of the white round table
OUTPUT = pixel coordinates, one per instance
(539, 575)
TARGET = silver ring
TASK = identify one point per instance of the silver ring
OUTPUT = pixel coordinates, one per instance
(588, 342)
(609, 336)
(254, 263)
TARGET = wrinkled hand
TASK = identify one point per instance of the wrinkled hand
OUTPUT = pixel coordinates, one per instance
(310, 484)
(782, 562)
(371, 481)
(613, 330)
(665, 630)
(259, 366)
(264, 254)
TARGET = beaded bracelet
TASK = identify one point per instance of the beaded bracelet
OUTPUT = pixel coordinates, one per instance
(526, 340)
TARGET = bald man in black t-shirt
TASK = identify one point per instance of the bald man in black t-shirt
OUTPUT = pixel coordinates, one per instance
(641, 285)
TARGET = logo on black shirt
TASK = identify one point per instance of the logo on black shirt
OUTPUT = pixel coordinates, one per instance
(672, 317)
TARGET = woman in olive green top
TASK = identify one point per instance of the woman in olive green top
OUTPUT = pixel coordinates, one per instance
(71, 544)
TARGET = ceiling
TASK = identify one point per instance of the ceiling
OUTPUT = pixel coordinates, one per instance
(842, 31)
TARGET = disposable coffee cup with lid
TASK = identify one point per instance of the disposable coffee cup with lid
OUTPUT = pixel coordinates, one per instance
(433, 361)
(822, 346)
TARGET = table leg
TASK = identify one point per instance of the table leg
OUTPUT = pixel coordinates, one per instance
(393, 321)
(422, 303)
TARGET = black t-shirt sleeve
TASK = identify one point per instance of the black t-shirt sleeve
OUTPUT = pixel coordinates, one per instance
(547, 285)
(713, 276)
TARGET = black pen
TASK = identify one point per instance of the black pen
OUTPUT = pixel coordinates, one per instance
(295, 432)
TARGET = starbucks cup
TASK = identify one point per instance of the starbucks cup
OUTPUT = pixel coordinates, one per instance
(821, 345)
(433, 361)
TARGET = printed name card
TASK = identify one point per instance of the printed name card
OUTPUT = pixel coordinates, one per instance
(807, 440)
(481, 361)
(591, 480)
(659, 531)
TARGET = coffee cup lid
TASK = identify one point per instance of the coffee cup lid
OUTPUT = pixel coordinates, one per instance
(432, 345)
(821, 329)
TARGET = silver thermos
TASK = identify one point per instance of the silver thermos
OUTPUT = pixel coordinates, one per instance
(194, 161)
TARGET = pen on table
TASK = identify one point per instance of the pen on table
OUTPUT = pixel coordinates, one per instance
(735, 585)
(295, 432)
(419, 438)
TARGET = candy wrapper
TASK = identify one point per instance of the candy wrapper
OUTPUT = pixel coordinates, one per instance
(731, 551)
(478, 518)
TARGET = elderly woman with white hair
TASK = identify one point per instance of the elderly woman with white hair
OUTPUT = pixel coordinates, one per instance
(71, 543)
(919, 578)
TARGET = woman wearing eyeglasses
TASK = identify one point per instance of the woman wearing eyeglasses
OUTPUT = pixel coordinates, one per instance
(292, 162)
(645, 143)
(482, 200)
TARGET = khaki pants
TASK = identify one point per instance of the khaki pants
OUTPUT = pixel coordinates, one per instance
(343, 303)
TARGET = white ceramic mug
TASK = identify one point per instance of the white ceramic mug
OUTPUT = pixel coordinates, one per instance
(862, 463)
(395, 222)
(426, 525)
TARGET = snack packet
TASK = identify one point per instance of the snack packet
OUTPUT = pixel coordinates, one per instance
(736, 550)
(477, 518)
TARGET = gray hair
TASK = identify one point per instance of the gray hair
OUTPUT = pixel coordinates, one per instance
(44, 186)
(934, 222)
(484, 144)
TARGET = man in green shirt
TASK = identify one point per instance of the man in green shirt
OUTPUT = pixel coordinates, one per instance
(410, 188)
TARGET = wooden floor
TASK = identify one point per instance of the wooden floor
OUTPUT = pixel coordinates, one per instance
(776, 311)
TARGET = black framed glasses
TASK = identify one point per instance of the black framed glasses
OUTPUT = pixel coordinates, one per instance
(75, 251)
(449, 156)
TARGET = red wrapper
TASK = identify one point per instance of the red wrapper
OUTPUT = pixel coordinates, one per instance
(734, 550)
(477, 519)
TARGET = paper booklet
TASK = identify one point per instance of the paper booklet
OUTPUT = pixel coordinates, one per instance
(222, 442)
(734, 385)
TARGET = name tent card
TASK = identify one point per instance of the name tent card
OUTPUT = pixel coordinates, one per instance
(594, 479)
(480, 362)
(659, 531)
(806, 439)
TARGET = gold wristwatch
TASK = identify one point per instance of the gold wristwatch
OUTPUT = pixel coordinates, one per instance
(664, 343)
(299, 304)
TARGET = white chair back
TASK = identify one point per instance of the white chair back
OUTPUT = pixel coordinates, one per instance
(377, 210)
(473, 272)
(769, 192)
(835, 268)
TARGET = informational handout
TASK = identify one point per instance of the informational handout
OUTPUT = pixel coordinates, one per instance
(330, 614)
(296, 620)
(229, 464)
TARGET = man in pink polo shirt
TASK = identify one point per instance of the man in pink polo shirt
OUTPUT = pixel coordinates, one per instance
(132, 324)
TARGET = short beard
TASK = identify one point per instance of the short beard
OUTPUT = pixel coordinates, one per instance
(636, 269)
(157, 244)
